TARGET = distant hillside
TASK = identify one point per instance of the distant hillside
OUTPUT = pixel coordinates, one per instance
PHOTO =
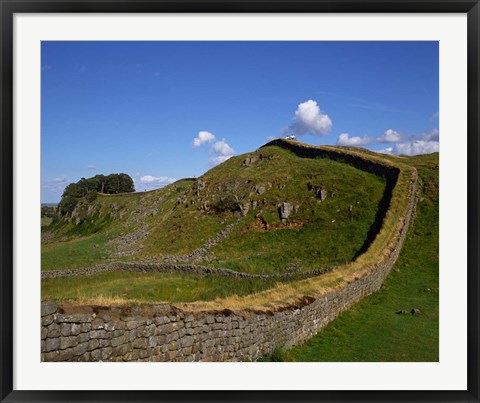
(265, 212)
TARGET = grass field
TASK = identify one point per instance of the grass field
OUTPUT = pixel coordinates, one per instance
(46, 221)
(106, 288)
(372, 330)
(76, 253)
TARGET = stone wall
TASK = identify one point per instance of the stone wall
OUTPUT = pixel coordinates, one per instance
(136, 267)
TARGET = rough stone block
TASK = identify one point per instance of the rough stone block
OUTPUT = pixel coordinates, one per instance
(152, 341)
(140, 343)
(140, 330)
(117, 341)
(80, 349)
(110, 326)
(78, 318)
(66, 342)
(122, 349)
(187, 341)
(98, 334)
(132, 355)
(46, 320)
(118, 333)
(149, 331)
(75, 329)
(95, 355)
(132, 324)
(51, 344)
(48, 307)
(97, 324)
(83, 337)
(53, 330)
(161, 329)
(209, 319)
(65, 329)
(106, 353)
(92, 344)
(161, 320)
(172, 337)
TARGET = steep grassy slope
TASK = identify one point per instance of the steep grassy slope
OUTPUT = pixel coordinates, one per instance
(332, 206)
(372, 330)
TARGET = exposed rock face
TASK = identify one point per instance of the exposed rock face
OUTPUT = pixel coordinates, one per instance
(260, 189)
(321, 194)
(285, 210)
(319, 191)
(244, 208)
(198, 186)
(249, 160)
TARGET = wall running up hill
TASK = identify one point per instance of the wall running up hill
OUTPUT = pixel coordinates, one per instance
(167, 333)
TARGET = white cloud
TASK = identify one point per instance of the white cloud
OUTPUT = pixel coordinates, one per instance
(202, 138)
(222, 152)
(222, 148)
(430, 135)
(388, 150)
(91, 166)
(46, 67)
(416, 147)
(345, 140)
(435, 116)
(55, 184)
(156, 180)
(390, 136)
(310, 119)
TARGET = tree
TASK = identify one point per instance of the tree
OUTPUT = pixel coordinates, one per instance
(87, 188)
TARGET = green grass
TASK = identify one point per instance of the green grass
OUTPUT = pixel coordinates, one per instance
(77, 253)
(148, 287)
(371, 330)
(46, 221)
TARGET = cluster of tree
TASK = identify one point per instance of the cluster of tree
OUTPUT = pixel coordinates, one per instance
(88, 188)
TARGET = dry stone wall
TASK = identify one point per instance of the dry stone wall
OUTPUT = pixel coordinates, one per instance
(166, 333)
(177, 268)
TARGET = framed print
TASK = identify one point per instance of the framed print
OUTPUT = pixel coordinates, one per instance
(239, 201)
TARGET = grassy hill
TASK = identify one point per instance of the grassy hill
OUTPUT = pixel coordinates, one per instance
(327, 207)
(231, 217)
(374, 330)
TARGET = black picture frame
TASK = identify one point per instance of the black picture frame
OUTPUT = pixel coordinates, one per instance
(11, 7)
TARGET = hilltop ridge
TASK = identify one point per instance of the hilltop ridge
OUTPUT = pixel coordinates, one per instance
(265, 212)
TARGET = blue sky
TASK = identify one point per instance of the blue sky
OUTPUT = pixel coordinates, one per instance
(137, 107)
